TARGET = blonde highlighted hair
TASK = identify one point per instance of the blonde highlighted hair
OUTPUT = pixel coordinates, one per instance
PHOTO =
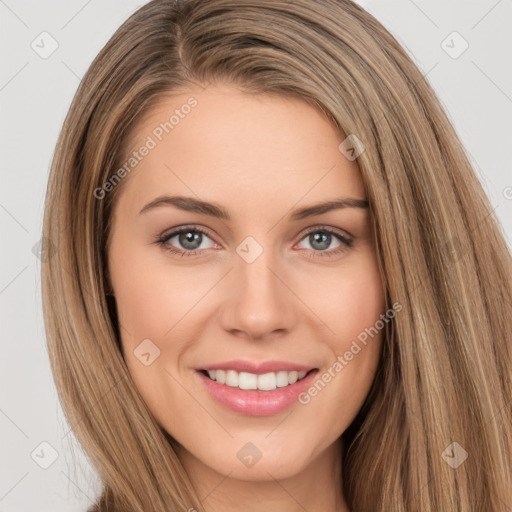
(445, 371)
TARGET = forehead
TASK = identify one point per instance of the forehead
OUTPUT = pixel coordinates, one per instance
(223, 144)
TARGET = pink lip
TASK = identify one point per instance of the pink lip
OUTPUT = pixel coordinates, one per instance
(241, 365)
(256, 402)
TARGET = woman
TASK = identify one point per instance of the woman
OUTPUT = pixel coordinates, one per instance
(267, 370)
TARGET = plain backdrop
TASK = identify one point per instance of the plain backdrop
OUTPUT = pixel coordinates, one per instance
(42, 467)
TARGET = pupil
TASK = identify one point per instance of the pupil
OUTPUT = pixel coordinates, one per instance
(189, 239)
(324, 238)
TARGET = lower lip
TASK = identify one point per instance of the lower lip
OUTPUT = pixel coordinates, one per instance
(257, 402)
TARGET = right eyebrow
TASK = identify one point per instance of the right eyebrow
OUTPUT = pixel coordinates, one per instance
(188, 204)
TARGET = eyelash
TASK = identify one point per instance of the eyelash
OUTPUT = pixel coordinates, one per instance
(162, 241)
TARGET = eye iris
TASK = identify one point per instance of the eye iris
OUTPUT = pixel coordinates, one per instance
(189, 239)
(324, 238)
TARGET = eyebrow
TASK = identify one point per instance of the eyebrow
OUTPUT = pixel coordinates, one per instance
(191, 204)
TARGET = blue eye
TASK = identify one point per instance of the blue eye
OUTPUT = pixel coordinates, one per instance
(190, 238)
(322, 238)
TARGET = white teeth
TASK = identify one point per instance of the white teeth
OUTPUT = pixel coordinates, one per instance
(247, 380)
(282, 378)
(232, 378)
(263, 382)
(268, 381)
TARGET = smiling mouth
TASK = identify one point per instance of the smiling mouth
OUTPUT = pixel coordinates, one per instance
(250, 381)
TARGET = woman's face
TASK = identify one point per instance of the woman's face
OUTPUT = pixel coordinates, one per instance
(261, 285)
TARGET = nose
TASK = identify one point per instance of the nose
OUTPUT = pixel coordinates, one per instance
(259, 303)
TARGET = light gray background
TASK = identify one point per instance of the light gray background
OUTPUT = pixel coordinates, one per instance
(35, 93)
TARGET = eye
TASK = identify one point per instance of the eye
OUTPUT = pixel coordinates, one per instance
(188, 239)
(320, 238)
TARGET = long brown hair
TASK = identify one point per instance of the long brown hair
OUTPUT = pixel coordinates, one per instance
(445, 372)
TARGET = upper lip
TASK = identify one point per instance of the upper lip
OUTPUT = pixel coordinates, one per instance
(243, 365)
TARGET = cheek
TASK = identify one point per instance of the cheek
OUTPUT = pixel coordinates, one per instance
(156, 302)
(152, 302)
(351, 301)
(352, 308)
(152, 296)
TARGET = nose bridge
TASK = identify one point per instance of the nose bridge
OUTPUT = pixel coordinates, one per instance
(256, 275)
(260, 303)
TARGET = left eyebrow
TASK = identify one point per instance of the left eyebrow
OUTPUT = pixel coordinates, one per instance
(317, 209)
(214, 210)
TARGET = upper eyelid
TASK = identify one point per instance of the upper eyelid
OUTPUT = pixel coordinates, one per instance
(329, 229)
(176, 231)
(312, 229)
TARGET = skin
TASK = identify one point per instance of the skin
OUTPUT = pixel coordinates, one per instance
(260, 157)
